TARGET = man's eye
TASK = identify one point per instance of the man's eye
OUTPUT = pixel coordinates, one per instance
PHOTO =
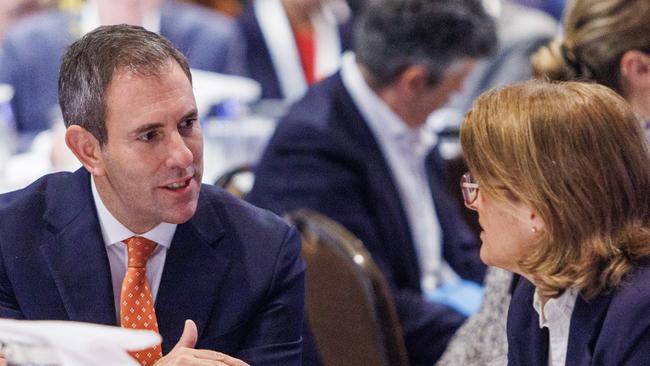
(148, 136)
(188, 123)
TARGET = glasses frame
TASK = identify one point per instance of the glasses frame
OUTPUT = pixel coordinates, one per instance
(469, 188)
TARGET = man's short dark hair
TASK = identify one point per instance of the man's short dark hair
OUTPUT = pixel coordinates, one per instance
(89, 64)
(395, 34)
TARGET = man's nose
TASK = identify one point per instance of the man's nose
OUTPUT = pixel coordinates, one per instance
(179, 153)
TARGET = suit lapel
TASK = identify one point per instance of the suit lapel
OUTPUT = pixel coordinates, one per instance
(75, 254)
(194, 270)
(527, 342)
(586, 322)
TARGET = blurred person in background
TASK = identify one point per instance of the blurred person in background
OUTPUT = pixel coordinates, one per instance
(555, 8)
(354, 148)
(606, 41)
(32, 50)
(291, 44)
(14, 10)
(560, 176)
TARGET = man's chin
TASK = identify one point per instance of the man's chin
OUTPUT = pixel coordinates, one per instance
(181, 215)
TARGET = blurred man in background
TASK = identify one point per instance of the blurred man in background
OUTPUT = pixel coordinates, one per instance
(354, 148)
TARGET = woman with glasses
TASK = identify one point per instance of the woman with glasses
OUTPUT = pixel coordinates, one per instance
(606, 41)
(560, 177)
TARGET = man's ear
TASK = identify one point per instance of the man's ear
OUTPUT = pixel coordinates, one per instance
(635, 69)
(413, 80)
(86, 148)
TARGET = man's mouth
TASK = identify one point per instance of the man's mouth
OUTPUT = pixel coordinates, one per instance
(179, 185)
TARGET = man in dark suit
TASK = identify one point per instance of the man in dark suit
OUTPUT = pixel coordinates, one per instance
(354, 148)
(225, 276)
(31, 53)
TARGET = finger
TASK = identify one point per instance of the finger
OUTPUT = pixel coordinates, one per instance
(230, 361)
(189, 336)
(208, 355)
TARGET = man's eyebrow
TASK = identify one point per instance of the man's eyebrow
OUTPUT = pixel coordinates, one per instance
(191, 114)
(147, 127)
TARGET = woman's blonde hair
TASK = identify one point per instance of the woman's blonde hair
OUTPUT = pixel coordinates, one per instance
(596, 35)
(575, 153)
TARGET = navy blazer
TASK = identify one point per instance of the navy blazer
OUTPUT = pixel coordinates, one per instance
(324, 157)
(233, 269)
(32, 52)
(258, 63)
(611, 329)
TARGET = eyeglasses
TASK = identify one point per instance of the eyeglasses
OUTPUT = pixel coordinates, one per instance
(469, 187)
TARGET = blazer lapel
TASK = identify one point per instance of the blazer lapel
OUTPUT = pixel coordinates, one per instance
(527, 342)
(586, 322)
(75, 254)
(194, 272)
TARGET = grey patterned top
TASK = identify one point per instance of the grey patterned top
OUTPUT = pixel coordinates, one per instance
(481, 341)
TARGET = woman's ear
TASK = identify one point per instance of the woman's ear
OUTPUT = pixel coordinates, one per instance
(86, 148)
(536, 223)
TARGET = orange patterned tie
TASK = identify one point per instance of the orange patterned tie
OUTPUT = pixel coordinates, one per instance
(136, 303)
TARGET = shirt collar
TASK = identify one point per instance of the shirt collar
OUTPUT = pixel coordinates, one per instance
(555, 310)
(90, 18)
(114, 232)
(380, 118)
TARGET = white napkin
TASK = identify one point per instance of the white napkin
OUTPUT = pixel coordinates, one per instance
(210, 88)
(78, 344)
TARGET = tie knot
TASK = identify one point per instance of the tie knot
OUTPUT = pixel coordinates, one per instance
(139, 250)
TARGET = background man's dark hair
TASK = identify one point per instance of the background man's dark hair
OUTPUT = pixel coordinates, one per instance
(89, 64)
(395, 34)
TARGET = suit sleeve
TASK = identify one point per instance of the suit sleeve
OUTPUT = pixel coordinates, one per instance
(302, 168)
(275, 336)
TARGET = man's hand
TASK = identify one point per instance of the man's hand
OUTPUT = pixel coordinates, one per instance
(185, 354)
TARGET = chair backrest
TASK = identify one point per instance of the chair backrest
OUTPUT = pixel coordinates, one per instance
(349, 308)
(238, 181)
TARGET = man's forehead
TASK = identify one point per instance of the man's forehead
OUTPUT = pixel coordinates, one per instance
(132, 71)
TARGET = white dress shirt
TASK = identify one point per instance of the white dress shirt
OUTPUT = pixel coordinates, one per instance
(556, 316)
(114, 233)
(405, 149)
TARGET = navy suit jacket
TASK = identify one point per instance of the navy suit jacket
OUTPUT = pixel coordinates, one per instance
(611, 329)
(324, 157)
(233, 269)
(32, 52)
(258, 63)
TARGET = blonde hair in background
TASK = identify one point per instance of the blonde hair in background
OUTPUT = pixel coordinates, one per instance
(596, 35)
(576, 154)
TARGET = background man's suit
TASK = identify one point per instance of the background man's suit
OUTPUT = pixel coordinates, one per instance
(31, 53)
(258, 61)
(323, 156)
(611, 329)
(233, 269)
